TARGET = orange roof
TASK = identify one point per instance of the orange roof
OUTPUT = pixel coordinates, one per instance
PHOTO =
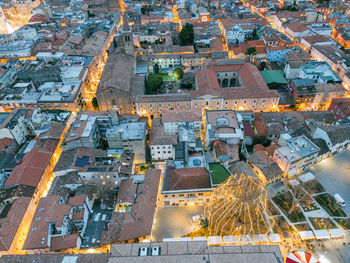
(33, 165)
(10, 223)
(297, 27)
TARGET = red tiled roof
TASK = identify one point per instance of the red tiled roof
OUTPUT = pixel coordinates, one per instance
(248, 131)
(77, 200)
(33, 165)
(10, 223)
(297, 27)
(64, 242)
(188, 178)
(49, 210)
(253, 85)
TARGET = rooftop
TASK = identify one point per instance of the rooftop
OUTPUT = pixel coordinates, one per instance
(303, 146)
(186, 179)
(181, 115)
(195, 251)
(139, 220)
(273, 76)
(219, 173)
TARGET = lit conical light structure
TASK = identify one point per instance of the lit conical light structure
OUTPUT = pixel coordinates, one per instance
(238, 207)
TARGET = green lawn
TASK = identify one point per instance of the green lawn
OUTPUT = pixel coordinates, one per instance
(219, 174)
(168, 78)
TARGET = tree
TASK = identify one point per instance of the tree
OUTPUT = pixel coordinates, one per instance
(178, 73)
(156, 68)
(153, 83)
(255, 35)
(263, 65)
(94, 103)
(251, 50)
(187, 35)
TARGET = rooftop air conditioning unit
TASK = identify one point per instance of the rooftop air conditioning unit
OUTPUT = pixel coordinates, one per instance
(155, 251)
(143, 251)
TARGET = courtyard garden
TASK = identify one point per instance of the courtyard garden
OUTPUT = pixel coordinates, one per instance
(322, 223)
(330, 205)
(289, 206)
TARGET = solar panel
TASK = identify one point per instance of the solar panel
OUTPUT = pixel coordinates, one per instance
(81, 162)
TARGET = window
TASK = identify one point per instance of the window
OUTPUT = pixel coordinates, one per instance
(207, 103)
(173, 195)
(200, 194)
(181, 194)
(169, 151)
(165, 195)
(264, 101)
(108, 176)
(114, 102)
(103, 182)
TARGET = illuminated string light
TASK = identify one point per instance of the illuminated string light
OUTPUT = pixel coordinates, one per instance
(238, 207)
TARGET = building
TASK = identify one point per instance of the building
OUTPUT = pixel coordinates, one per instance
(11, 219)
(340, 107)
(325, 92)
(94, 166)
(265, 167)
(313, 41)
(276, 54)
(223, 125)
(319, 72)
(162, 145)
(224, 153)
(296, 30)
(186, 186)
(135, 210)
(190, 251)
(336, 137)
(57, 225)
(334, 56)
(16, 125)
(89, 129)
(172, 119)
(119, 84)
(295, 153)
(230, 84)
(131, 137)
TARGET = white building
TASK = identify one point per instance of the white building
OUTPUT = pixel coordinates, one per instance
(234, 35)
(336, 137)
(223, 125)
(172, 119)
(162, 145)
(295, 153)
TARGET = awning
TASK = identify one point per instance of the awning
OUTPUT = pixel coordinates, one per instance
(214, 240)
(337, 232)
(261, 238)
(306, 177)
(231, 239)
(245, 238)
(321, 234)
(275, 237)
(306, 235)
